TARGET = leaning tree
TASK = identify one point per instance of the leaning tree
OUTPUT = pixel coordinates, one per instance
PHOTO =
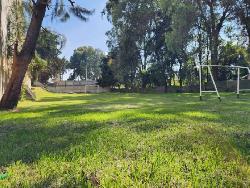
(61, 9)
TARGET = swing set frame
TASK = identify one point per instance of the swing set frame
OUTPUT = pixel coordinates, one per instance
(238, 68)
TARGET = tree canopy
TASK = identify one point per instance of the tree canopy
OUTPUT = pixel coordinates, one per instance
(85, 63)
(158, 43)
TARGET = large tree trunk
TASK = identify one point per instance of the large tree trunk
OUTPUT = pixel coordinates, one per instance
(12, 92)
(22, 59)
(215, 56)
(214, 38)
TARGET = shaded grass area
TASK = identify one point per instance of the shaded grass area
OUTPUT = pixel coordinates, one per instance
(126, 140)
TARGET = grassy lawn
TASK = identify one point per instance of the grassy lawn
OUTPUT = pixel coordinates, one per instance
(126, 140)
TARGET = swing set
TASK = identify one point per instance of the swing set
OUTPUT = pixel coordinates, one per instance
(238, 68)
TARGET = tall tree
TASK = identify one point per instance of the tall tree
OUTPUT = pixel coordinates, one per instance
(36, 66)
(184, 18)
(161, 58)
(85, 63)
(49, 47)
(50, 44)
(107, 78)
(22, 58)
(134, 23)
(214, 14)
(233, 55)
(243, 13)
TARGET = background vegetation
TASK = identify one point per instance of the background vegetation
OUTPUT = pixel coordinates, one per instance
(158, 43)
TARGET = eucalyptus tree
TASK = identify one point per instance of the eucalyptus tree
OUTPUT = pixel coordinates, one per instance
(184, 19)
(37, 66)
(132, 29)
(107, 78)
(242, 11)
(49, 48)
(161, 58)
(22, 58)
(231, 54)
(214, 14)
(139, 28)
(50, 44)
(85, 63)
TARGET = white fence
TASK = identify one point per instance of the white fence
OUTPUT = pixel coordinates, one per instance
(77, 89)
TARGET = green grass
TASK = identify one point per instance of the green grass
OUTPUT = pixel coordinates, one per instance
(126, 140)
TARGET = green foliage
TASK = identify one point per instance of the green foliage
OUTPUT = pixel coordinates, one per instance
(85, 59)
(62, 9)
(107, 78)
(184, 17)
(242, 14)
(232, 55)
(126, 140)
(50, 44)
(157, 75)
(137, 38)
(154, 42)
(37, 65)
(49, 47)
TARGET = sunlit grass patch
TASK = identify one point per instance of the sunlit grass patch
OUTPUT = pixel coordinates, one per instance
(126, 140)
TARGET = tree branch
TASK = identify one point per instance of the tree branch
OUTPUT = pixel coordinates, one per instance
(223, 18)
(72, 3)
(34, 3)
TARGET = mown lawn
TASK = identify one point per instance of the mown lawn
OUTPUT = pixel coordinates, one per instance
(126, 140)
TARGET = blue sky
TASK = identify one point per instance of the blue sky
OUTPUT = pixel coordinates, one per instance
(78, 33)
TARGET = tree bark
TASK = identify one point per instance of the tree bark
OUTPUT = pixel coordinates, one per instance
(215, 53)
(22, 59)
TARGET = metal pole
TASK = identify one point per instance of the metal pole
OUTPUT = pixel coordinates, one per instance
(238, 84)
(86, 74)
(86, 77)
(212, 78)
(200, 75)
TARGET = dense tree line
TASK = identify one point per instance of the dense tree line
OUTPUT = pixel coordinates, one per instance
(158, 43)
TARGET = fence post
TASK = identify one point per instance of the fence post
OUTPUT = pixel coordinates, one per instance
(238, 84)
(200, 75)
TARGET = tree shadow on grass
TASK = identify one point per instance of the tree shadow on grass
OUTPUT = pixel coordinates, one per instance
(29, 141)
(218, 129)
(56, 128)
(28, 138)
